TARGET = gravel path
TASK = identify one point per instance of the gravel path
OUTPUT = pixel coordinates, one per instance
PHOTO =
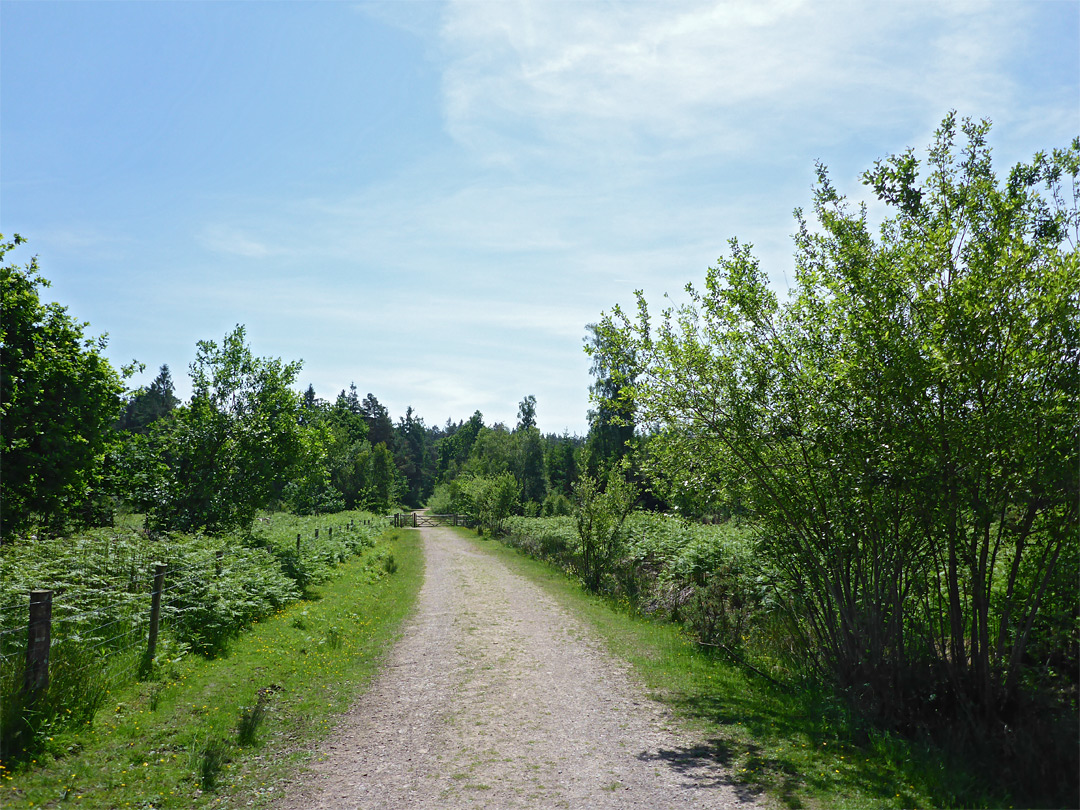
(496, 697)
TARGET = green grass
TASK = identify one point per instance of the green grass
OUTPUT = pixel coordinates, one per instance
(798, 746)
(176, 742)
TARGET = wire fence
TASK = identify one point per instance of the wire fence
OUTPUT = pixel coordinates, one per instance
(100, 625)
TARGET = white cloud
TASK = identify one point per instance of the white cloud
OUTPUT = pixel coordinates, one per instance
(712, 77)
(232, 241)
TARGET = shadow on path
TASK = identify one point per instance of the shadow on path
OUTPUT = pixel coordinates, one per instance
(704, 765)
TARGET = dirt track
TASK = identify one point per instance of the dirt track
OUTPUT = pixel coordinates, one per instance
(496, 697)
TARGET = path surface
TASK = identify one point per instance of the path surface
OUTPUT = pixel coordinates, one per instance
(496, 697)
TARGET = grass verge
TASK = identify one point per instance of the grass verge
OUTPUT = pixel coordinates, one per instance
(799, 747)
(229, 731)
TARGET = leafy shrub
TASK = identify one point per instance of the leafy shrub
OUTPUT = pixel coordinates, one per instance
(556, 505)
(550, 538)
(600, 516)
(707, 577)
(206, 611)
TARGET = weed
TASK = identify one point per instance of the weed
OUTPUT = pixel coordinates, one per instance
(390, 565)
(333, 638)
(78, 686)
(212, 757)
(155, 696)
(251, 717)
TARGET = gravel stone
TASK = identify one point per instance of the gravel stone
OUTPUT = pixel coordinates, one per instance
(497, 697)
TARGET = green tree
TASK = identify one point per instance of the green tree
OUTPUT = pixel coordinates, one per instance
(347, 416)
(612, 422)
(415, 454)
(600, 513)
(59, 402)
(493, 453)
(530, 465)
(380, 425)
(904, 428)
(455, 447)
(384, 484)
(560, 463)
(150, 404)
(313, 487)
(492, 500)
(225, 455)
(527, 413)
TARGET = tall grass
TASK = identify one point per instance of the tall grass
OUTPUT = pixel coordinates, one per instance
(192, 738)
(102, 581)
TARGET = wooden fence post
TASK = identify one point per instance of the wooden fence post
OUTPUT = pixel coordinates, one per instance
(316, 534)
(155, 610)
(39, 637)
(298, 543)
(330, 534)
(217, 562)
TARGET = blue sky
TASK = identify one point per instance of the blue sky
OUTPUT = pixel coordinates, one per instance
(432, 200)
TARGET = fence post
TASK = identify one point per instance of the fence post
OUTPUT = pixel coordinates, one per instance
(414, 520)
(217, 563)
(155, 610)
(316, 534)
(39, 636)
(330, 534)
(298, 543)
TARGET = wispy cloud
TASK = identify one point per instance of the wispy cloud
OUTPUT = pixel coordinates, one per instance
(713, 77)
(234, 242)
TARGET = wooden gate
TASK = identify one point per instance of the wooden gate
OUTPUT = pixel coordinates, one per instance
(417, 519)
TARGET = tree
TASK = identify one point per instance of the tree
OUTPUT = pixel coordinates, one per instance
(560, 463)
(59, 402)
(493, 453)
(385, 482)
(493, 500)
(313, 487)
(612, 423)
(348, 418)
(904, 428)
(600, 512)
(527, 413)
(530, 465)
(225, 455)
(415, 455)
(454, 449)
(380, 425)
(150, 404)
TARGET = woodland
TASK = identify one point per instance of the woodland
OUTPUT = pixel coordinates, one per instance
(870, 484)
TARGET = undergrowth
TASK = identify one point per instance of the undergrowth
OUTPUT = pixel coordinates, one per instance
(228, 731)
(102, 580)
(778, 729)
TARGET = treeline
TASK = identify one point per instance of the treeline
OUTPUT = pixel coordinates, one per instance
(77, 446)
